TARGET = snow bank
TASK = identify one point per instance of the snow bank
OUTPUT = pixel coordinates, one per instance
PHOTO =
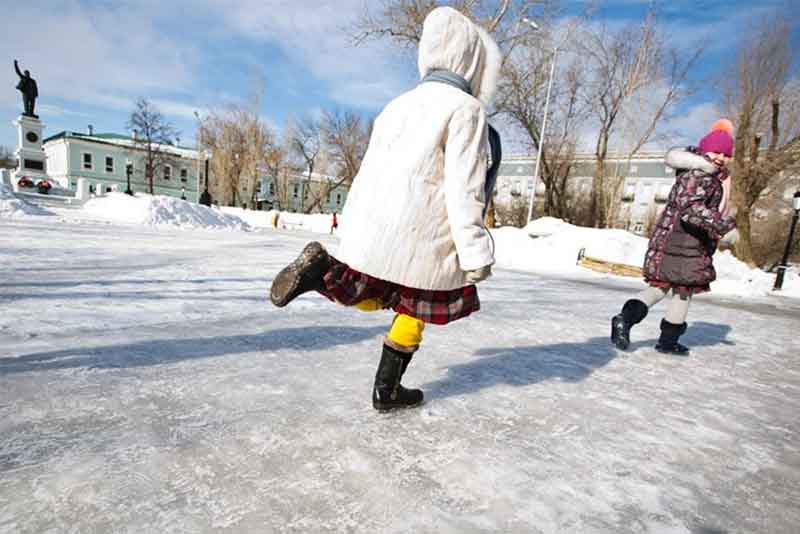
(156, 210)
(255, 218)
(558, 249)
(13, 207)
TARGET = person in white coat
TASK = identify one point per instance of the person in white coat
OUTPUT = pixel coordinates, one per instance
(412, 232)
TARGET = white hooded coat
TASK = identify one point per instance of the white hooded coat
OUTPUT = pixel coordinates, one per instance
(414, 212)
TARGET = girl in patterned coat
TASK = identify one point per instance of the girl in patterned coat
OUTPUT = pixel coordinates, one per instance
(412, 233)
(679, 260)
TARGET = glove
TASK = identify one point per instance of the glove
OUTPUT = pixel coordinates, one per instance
(478, 275)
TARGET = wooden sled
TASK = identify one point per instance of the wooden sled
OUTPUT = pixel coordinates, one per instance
(603, 266)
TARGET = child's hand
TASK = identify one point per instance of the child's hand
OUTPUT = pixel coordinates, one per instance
(478, 275)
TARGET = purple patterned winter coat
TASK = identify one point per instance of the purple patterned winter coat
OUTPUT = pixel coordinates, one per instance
(680, 252)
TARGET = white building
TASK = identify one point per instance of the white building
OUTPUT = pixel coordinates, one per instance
(646, 186)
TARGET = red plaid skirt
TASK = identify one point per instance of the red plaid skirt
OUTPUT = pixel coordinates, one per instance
(349, 287)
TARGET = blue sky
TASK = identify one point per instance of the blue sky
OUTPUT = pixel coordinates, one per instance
(92, 59)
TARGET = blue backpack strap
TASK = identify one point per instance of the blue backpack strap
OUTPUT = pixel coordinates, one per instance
(496, 151)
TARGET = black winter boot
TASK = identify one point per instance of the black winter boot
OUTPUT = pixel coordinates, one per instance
(632, 313)
(388, 394)
(668, 341)
(302, 275)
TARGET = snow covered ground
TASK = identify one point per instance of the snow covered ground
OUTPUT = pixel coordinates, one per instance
(146, 385)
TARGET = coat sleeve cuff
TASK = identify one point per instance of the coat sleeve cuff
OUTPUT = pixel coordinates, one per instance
(477, 254)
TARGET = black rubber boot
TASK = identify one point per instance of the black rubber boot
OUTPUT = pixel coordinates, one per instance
(302, 275)
(387, 393)
(633, 312)
(668, 341)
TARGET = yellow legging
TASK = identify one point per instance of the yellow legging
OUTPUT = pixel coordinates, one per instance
(406, 331)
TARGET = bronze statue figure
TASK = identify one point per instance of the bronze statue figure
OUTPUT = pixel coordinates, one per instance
(30, 91)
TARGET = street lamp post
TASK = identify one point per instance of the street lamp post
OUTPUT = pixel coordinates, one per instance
(128, 172)
(784, 262)
(205, 197)
(535, 26)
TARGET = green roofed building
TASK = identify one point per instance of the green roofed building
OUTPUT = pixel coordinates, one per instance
(102, 158)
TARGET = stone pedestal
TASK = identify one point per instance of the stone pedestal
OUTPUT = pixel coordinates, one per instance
(30, 154)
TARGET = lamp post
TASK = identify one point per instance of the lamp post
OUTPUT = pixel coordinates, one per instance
(535, 26)
(128, 172)
(783, 266)
(205, 197)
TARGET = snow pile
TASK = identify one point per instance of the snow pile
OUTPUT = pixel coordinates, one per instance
(558, 248)
(254, 218)
(11, 206)
(557, 252)
(156, 210)
(546, 226)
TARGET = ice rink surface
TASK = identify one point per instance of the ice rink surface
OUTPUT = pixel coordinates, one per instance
(147, 385)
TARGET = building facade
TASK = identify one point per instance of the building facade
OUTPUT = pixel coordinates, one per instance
(646, 183)
(102, 159)
(296, 192)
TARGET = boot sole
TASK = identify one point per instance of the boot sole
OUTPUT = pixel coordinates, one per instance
(287, 281)
(383, 408)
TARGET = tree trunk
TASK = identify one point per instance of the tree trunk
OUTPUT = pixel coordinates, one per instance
(744, 247)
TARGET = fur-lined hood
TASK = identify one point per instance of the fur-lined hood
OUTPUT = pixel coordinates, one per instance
(683, 158)
(450, 41)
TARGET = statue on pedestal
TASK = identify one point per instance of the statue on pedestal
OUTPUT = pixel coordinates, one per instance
(27, 86)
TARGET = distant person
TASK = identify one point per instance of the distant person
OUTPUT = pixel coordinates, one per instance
(334, 223)
(680, 254)
(413, 239)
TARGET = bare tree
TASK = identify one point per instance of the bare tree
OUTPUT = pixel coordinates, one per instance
(400, 21)
(763, 99)
(629, 67)
(345, 136)
(152, 134)
(240, 142)
(278, 169)
(306, 143)
(522, 98)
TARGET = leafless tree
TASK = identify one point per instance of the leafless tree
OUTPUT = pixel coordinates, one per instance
(521, 97)
(278, 168)
(762, 98)
(345, 136)
(152, 134)
(630, 70)
(305, 139)
(239, 141)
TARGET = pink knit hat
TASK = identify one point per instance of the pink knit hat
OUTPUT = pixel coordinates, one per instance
(719, 139)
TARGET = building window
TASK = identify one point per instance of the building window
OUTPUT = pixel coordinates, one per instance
(338, 199)
(258, 187)
(167, 172)
(296, 191)
(663, 193)
(629, 193)
(87, 162)
(109, 164)
(271, 188)
(184, 175)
